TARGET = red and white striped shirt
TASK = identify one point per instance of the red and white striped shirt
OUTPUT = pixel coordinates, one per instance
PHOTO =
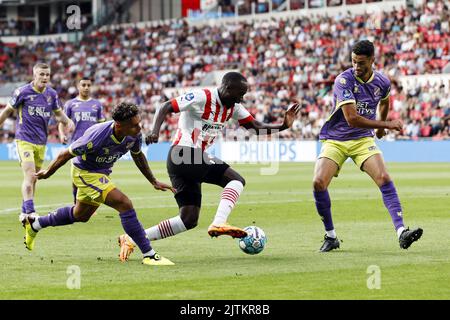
(203, 116)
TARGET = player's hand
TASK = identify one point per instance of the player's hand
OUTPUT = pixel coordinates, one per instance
(42, 174)
(395, 125)
(162, 186)
(63, 139)
(380, 133)
(70, 126)
(290, 115)
(152, 138)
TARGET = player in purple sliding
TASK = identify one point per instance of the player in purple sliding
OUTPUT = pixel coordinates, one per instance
(94, 155)
(35, 103)
(84, 111)
(348, 132)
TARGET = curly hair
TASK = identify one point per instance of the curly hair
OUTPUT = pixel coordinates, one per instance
(124, 111)
(364, 47)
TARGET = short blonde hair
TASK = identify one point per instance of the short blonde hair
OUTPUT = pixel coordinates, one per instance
(40, 65)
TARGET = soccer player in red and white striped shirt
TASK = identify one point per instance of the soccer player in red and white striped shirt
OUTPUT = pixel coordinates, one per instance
(203, 114)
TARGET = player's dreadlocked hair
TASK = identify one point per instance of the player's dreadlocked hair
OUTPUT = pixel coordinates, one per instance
(364, 47)
(124, 111)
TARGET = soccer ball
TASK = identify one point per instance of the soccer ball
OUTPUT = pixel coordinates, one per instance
(254, 242)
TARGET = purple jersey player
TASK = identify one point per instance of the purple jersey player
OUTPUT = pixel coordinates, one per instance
(34, 103)
(348, 132)
(84, 112)
(94, 155)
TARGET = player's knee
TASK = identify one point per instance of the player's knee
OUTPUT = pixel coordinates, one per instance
(383, 178)
(238, 179)
(190, 222)
(319, 184)
(84, 218)
(189, 216)
(126, 204)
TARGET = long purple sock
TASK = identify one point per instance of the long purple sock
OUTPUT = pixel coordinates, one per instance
(133, 228)
(60, 217)
(323, 205)
(23, 207)
(392, 203)
(28, 205)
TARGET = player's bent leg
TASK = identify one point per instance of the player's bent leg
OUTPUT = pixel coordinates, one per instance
(233, 184)
(375, 167)
(59, 217)
(84, 211)
(133, 228)
(164, 229)
(324, 171)
(28, 186)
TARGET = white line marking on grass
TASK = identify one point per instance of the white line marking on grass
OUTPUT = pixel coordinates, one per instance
(209, 204)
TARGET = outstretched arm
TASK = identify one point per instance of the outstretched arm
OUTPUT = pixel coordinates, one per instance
(356, 121)
(160, 116)
(141, 162)
(61, 160)
(265, 128)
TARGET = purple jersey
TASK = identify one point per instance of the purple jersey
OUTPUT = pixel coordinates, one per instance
(366, 95)
(34, 110)
(98, 149)
(84, 114)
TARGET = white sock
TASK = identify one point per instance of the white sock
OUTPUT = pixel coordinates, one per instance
(149, 254)
(230, 195)
(399, 231)
(331, 234)
(36, 225)
(166, 228)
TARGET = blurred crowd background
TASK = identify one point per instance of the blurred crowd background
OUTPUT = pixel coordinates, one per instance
(296, 58)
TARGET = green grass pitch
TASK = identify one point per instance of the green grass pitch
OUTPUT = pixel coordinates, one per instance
(282, 205)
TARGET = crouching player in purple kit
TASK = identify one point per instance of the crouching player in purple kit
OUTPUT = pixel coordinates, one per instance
(95, 154)
(348, 133)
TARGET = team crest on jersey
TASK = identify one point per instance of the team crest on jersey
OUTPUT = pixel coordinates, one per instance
(189, 96)
(377, 91)
(347, 94)
(103, 180)
(355, 88)
(342, 81)
(49, 100)
(105, 150)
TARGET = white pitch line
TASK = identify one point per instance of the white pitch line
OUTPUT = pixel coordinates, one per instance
(209, 204)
